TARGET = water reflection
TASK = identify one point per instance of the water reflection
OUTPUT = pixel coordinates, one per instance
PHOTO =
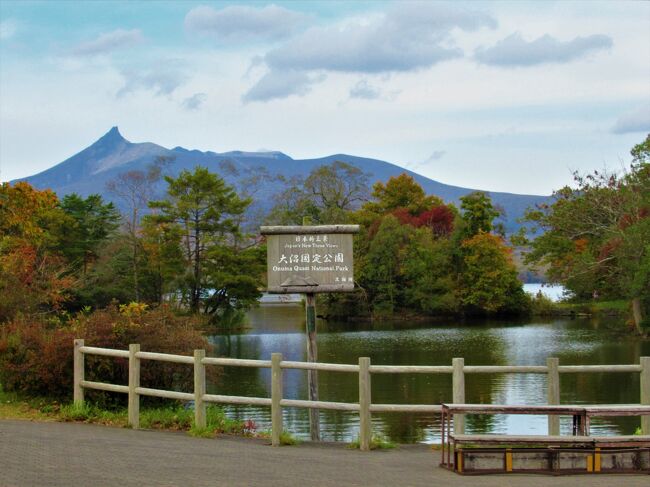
(279, 328)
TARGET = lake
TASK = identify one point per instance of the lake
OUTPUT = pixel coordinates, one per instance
(553, 292)
(280, 328)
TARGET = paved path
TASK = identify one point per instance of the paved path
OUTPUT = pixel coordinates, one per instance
(64, 454)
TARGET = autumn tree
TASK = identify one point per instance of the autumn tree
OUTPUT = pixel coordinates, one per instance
(34, 276)
(596, 236)
(419, 254)
(489, 282)
(400, 192)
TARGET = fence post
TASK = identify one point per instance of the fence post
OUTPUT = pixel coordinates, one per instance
(553, 393)
(365, 424)
(134, 383)
(645, 393)
(276, 397)
(77, 389)
(199, 389)
(458, 392)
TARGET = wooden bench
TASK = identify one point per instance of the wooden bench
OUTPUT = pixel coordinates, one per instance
(448, 410)
(549, 454)
(642, 441)
(620, 453)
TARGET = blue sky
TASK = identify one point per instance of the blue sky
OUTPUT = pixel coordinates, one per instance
(508, 96)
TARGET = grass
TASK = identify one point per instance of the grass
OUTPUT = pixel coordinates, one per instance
(175, 418)
(171, 418)
(88, 413)
(13, 406)
(618, 306)
(376, 443)
(288, 439)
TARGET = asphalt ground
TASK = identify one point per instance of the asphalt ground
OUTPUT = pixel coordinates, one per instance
(48, 454)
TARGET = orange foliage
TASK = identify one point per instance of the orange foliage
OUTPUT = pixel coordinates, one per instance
(32, 272)
(581, 245)
(25, 211)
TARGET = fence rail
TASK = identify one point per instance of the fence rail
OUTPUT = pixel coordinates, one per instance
(364, 369)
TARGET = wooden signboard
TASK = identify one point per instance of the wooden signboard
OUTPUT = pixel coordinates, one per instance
(310, 259)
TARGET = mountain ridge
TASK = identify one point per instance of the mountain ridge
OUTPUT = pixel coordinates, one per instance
(88, 171)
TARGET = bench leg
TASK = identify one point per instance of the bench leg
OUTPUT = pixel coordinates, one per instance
(508, 459)
(442, 437)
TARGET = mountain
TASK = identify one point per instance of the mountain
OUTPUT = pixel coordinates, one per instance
(88, 171)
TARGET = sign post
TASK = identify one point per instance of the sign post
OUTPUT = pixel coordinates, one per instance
(310, 259)
(312, 356)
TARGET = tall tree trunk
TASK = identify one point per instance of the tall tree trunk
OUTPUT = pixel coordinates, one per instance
(637, 314)
(196, 292)
(134, 238)
(136, 287)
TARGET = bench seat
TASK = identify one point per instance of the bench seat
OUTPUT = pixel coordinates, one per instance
(639, 441)
(523, 439)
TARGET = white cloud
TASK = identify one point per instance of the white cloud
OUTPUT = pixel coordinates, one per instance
(281, 84)
(435, 156)
(637, 120)
(162, 79)
(456, 106)
(238, 23)
(365, 91)
(514, 50)
(408, 37)
(8, 29)
(108, 42)
(195, 101)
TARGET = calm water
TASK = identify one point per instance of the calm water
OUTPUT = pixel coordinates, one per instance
(279, 328)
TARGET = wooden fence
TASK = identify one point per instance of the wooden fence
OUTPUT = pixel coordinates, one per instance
(364, 369)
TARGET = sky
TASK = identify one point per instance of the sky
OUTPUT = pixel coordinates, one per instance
(501, 96)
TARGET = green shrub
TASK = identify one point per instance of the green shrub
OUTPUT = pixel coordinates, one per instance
(541, 305)
(76, 412)
(286, 438)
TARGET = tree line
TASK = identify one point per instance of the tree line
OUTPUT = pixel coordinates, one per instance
(195, 249)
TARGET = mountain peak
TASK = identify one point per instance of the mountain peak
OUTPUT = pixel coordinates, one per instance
(113, 136)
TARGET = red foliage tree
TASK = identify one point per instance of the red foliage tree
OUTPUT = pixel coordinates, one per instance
(440, 219)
